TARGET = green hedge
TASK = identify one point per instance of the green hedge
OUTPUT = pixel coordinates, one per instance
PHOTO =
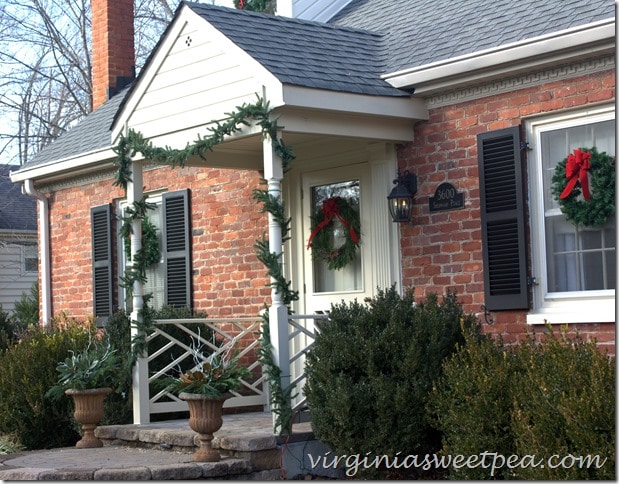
(28, 371)
(118, 408)
(27, 308)
(555, 397)
(371, 370)
(8, 330)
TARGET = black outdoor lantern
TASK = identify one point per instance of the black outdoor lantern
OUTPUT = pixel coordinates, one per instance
(401, 197)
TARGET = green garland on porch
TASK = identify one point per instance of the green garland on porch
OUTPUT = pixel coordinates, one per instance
(134, 142)
(280, 396)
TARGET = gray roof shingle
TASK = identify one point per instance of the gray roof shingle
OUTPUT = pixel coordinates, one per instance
(420, 32)
(304, 53)
(366, 39)
(17, 211)
(90, 134)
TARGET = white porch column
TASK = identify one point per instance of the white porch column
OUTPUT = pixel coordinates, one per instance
(140, 370)
(278, 312)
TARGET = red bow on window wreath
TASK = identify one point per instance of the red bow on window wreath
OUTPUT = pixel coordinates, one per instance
(576, 169)
(330, 209)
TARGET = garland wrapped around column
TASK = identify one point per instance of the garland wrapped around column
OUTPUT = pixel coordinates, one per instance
(134, 142)
(583, 185)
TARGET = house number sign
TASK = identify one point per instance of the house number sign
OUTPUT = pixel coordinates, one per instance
(446, 197)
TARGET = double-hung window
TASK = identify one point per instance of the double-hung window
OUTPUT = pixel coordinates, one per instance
(574, 266)
(169, 278)
(168, 281)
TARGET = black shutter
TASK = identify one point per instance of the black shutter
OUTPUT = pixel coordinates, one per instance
(176, 247)
(503, 219)
(101, 227)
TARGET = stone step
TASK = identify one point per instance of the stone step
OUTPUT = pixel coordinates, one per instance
(124, 463)
(163, 451)
(246, 437)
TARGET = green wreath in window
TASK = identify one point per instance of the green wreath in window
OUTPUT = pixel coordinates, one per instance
(584, 186)
(150, 244)
(323, 225)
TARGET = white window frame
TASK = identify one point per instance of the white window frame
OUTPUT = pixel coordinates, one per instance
(156, 198)
(560, 307)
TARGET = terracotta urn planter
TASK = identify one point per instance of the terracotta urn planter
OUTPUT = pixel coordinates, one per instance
(88, 413)
(205, 419)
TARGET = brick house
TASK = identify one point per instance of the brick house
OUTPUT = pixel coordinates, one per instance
(372, 89)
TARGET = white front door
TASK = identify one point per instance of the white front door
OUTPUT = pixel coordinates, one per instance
(324, 286)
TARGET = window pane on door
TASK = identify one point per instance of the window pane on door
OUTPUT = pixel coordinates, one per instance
(348, 278)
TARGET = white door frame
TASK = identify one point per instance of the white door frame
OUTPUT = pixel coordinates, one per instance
(379, 234)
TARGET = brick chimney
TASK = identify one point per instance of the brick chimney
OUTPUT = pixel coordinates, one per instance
(113, 51)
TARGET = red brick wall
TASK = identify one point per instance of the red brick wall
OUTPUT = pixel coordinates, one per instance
(443, 249)
(228, 279)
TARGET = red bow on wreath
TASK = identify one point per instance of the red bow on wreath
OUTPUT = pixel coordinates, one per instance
(576, 169)
(330, 209)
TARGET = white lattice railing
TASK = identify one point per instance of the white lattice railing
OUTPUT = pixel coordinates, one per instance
(243, 335)
(301, 337)
(240, 333)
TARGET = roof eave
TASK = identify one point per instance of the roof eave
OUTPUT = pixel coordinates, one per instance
(353, 103)
(75, 165)
(561, 47)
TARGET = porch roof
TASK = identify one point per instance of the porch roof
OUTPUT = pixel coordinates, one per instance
(307, 54)
(302, 56)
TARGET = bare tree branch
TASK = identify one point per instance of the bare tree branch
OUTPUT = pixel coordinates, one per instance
(46, 65)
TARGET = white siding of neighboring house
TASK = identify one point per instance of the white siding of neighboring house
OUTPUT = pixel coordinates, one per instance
(317, 10)
(13, 280)
(195, 78)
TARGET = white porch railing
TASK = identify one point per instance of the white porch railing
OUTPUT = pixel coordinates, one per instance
(301, 336)
(243, 334)
(215, 335)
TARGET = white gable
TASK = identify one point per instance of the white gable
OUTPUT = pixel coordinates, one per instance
(196, 76)
(318, 10)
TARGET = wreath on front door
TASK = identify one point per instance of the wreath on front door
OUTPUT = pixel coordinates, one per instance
(584, 186)
(323, 225)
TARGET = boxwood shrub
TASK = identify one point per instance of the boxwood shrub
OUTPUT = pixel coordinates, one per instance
(549, 397)
(370, 371)
(28, 372)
